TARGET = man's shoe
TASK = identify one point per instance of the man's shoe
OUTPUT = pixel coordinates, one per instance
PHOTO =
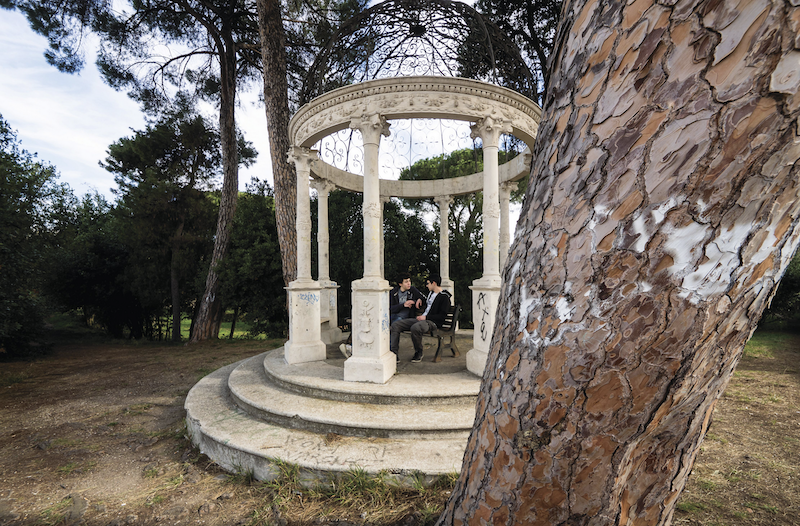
(346, 350)
(417, 357)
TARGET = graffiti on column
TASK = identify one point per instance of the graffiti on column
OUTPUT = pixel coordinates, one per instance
(483, 308)
(309, 298)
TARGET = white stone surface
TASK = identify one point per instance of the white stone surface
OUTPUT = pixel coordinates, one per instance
(485, 296)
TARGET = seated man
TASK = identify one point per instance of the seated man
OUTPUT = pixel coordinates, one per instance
(403, 299)
(436, 307)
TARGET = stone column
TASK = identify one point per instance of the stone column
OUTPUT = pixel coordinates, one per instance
(505, 226)
(444, 202)
(384, 199)
(371, 360)
(304, 343)
(329, 318)
(486, 290)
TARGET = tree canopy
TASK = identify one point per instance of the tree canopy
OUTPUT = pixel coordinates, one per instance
(34, 219)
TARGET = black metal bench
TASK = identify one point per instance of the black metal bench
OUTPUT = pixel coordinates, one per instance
(448, 328)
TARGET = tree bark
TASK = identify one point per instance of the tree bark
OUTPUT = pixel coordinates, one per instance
(175, 291)
(662, 212)
(276, 99)
(209, 314)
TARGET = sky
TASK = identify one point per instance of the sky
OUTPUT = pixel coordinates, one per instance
(69, 120)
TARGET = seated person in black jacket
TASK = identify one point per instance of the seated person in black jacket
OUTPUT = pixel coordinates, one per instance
(404, 299)
(436, 307)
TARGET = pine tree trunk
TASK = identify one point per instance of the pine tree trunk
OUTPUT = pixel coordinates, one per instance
(662, 211)
(175, 291)
(276, 98)
(209, 313)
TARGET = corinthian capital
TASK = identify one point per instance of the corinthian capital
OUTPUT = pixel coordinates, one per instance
(489, 129)
(371, 127)
(443, 201)
(323, 187)
(302, 158)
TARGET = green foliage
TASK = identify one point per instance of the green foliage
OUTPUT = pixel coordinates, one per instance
(532, 25)
(34, 218)
(163, 173)
(251, 278)
(784, 310)
(126, 264)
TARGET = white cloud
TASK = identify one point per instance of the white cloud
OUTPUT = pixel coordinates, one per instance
(69, 120)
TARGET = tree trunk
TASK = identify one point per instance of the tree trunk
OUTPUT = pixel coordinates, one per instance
(276, 98)
(662, 211)
(233, 322)
(175, 291)
(209, 314)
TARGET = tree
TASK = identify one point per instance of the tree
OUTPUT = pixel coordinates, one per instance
(662, 210)
(163, 175)
(88, 271)
(252, 281)
(34, 211)
(276, 101)
(531, 24)
(212, 48)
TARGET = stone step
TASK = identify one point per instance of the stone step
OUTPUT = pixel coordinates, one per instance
(239, 442)
(252, 391)
(324, 379)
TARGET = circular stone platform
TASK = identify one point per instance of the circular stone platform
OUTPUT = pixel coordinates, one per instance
(252, 413)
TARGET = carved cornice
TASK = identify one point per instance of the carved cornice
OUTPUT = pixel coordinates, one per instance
(414, 97)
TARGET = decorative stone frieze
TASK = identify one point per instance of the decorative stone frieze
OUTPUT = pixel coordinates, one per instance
(415, 97)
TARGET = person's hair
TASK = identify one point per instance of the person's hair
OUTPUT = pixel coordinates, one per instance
(435, 278)
(402, 277)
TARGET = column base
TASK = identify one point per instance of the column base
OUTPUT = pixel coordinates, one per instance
(304, 343)
(371, 361)
(485, 296)
(450, 286)
(368, 369)
(304, 352)
(330, 333)
(476, 361)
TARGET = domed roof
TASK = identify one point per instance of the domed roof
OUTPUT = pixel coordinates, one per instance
(398, 38)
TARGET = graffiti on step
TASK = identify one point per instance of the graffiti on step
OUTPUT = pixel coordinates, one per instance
(314, 452)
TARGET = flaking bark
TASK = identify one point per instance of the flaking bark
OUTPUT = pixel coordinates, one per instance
(276, 98)
(662, 211)
(209, 312)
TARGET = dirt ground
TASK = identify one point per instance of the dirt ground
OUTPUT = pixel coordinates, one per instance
(94, 434)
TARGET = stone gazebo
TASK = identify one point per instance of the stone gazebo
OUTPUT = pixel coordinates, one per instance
(368, 107)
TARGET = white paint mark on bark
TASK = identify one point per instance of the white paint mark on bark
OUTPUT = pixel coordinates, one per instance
(563, 310)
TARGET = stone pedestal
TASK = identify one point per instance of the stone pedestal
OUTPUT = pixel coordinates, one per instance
(328, 312)
(305, 344)
(485, 296)
(372, 361)
(450, 286)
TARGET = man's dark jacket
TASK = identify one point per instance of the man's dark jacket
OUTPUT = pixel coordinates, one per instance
(395, 307)
(440, 308)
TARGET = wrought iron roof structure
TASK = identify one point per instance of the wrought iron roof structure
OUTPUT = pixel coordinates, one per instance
(398, 38)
